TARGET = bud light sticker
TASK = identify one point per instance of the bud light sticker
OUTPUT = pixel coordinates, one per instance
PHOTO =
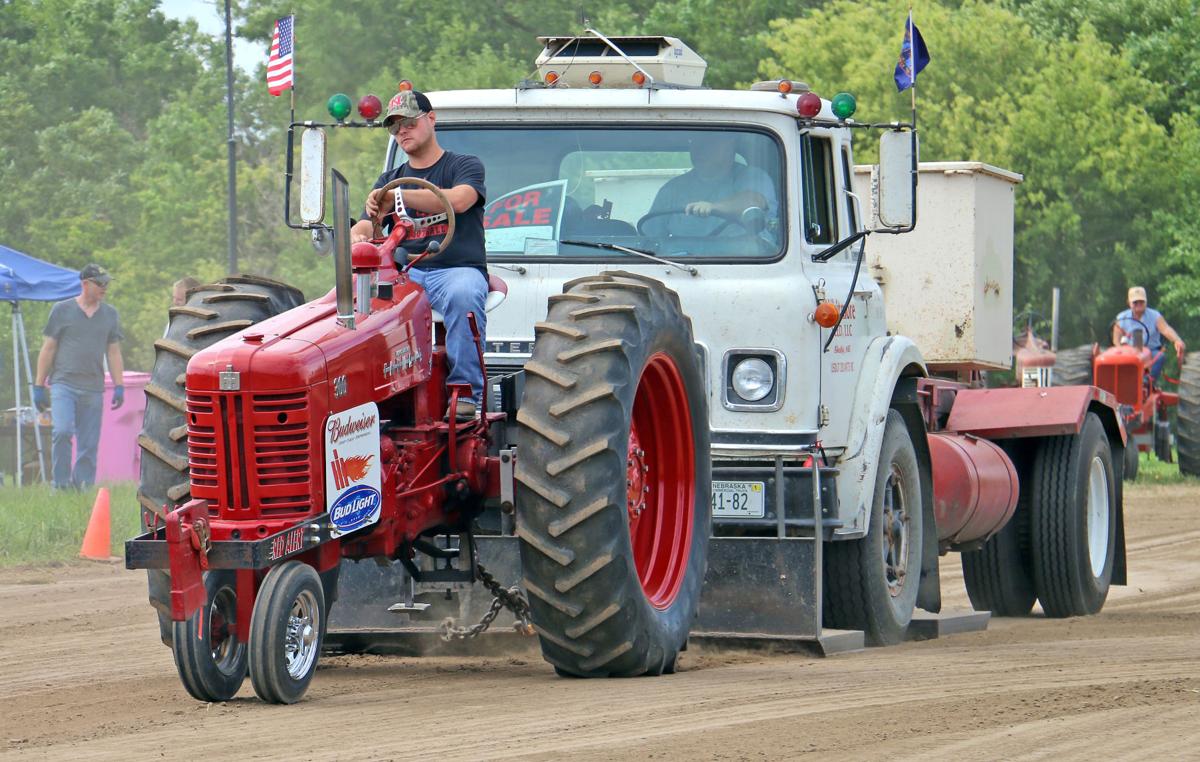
(352, 474)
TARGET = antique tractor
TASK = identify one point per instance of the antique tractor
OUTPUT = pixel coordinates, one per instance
(301, 438)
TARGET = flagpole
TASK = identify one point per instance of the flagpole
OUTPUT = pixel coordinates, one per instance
(231, 153)
(292, 119)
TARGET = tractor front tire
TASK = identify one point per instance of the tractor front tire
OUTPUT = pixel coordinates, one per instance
(613, 509)
(1132, 458)
(1162, 441)
(871, 583)
(213, 312)
(210, 658)
(1187, 420)
(287, 629)
(1073, 367)
(1074, 525)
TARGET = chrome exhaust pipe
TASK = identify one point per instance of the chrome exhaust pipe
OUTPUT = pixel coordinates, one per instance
(342, 274)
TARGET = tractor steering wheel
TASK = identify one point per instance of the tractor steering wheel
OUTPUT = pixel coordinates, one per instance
(1145, 336)
(383, 212)
(725, 222)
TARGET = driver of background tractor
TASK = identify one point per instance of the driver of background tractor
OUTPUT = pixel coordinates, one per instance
(717, 189)
(1141, 319)
(456, 279)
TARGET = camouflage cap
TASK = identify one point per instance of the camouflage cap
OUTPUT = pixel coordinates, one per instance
(95, 272)
(407, 104)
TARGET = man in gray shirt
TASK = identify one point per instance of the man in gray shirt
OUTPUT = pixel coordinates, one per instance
(80, 333)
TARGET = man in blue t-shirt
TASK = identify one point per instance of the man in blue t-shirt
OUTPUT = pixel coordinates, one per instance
(456, 279)
(1140, 319)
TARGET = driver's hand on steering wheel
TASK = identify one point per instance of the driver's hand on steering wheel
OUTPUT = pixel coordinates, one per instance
(375, 200)
(700, 208)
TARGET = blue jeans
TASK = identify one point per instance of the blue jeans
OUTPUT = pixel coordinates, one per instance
(74, 413)
(1156, 368)
(455, 291)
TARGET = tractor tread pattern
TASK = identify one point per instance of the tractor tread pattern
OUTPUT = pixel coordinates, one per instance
(1187, 420)
(1073, 367)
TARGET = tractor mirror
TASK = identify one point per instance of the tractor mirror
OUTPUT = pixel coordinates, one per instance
(312, 175)
(895, 200)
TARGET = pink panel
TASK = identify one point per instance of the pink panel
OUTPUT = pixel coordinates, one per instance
(119, 458)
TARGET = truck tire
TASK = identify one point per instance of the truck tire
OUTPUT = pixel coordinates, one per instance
(999, 576)
(1074, 521)
(212, 312)
(1187, 420)
(871, 583)
(1073, 367)
(613, 508)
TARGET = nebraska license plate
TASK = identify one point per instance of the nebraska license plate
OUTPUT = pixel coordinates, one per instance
(738, 500)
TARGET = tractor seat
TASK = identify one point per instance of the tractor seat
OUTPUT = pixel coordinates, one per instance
(497, 293)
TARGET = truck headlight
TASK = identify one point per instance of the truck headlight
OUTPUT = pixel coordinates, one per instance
(753, 379)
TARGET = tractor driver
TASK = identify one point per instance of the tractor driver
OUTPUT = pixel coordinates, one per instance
(717, 190)
(1139, 319)
(456, 279)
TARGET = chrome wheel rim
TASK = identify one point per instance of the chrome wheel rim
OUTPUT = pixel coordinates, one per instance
(896, 521)
(1097, 516)
(300, 639)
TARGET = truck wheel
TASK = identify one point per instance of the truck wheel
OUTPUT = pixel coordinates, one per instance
(1162, 442)
(1074, 521)
(998, 576)
(614, 471)
(212, 312)
(871, 583)
(210, 658)
(1130, 454)
(1187, 420)
(286, 631)
(1073, 367)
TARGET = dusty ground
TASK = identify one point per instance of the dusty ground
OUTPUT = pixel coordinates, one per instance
(82, 675)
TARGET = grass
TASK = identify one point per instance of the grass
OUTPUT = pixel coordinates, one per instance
(40, 525)
(1151, 470)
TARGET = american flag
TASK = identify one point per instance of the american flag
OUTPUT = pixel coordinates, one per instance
(279, 64)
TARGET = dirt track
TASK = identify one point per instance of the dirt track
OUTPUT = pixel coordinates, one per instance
(82, 675)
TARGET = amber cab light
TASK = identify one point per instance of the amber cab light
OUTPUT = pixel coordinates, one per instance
(595, 78)
(639, 78)
(551, 77)
(785, 86)
(404, 85)
(826, 315)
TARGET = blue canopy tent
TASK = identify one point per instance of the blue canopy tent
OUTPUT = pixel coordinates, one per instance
(23, 278)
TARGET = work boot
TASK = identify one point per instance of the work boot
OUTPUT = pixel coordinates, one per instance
(463, 411)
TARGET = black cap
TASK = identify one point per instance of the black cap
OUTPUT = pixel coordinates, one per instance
(95, 272)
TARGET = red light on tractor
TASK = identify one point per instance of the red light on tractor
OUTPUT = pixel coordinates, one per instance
(808, 105)
(639, 78)
(369, 107)
(551, 77)
(785, 86)
(595, 78)
(404, 85)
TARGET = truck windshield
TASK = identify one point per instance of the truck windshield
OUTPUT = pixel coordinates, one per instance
(679, 193)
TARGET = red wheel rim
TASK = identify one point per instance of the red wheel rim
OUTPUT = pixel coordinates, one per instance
(661, 468)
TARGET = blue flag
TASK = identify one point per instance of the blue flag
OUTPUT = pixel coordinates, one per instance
(913, 56)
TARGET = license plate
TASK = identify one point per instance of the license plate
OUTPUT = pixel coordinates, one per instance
(739, 500)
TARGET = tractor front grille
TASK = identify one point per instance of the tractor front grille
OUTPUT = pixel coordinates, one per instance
(251, 454)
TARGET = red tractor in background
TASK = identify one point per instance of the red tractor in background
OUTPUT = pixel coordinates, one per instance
(1124, 372)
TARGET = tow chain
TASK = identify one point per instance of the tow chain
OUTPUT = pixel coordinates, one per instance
(512, 599)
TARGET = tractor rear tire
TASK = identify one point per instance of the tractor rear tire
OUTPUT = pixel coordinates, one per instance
(613, 511)
(1073, 367)
(999, 576)
(871, 583)
(210, 658)
(1074, 525)
(1132, 458)
(213, 312)
(1162, 441)
(1187, 420)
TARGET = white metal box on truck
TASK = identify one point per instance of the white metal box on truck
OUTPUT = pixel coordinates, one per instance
(948, 285)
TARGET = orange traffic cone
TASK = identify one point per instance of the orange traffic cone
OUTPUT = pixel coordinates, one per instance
(96, 540)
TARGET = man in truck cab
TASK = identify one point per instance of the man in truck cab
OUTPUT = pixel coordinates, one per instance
(456, 279)
(711, 197)
(1142, 319)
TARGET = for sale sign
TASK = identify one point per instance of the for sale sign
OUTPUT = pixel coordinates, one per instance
(533, 212)
(352, 476)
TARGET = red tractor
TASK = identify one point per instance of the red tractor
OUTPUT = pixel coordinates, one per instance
(314, 432)
(1124, 372)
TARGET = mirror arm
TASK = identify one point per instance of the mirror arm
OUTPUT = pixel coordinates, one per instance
(827, 254)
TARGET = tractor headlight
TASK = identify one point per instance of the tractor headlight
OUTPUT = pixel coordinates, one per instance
(753, 379)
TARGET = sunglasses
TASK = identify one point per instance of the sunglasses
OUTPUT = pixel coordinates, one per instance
(98, 283)
(404, 123)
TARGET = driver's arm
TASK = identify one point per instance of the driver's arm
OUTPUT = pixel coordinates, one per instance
(1166, 330)
(1117, 332)
(730, 208)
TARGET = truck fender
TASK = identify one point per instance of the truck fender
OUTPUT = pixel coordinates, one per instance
(886, 360)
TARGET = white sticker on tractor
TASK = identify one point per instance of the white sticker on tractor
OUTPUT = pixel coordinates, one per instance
(352, 475)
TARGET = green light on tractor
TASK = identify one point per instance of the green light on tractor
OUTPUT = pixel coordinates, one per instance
(843, 105)
(339, 106)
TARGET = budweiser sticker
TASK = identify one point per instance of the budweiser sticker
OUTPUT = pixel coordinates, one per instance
(352, 475)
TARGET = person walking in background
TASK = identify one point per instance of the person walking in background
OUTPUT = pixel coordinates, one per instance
(79, 334)
(180, 289)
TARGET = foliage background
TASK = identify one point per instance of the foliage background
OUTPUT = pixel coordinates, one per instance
(112, 124)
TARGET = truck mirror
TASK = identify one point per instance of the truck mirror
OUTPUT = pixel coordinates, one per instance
(312, 175)
(895, 199)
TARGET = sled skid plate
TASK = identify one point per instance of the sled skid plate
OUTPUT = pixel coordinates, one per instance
(927, 626)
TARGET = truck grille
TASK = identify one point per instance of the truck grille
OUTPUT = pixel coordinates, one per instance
(250, 454)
